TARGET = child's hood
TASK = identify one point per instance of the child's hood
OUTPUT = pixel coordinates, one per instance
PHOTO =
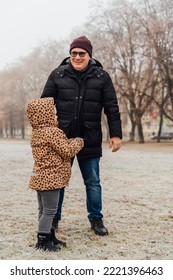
(41, 112)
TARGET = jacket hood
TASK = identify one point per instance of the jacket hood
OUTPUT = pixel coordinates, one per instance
(41, 112)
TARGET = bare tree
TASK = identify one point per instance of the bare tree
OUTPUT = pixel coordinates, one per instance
(23, 81)
(159, 31)
(125, 52)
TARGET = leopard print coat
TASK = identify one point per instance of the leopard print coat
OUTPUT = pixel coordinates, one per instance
(50, 147)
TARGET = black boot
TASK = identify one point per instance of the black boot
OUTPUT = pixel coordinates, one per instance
(98, 227)
(44, 243)
(56, 241)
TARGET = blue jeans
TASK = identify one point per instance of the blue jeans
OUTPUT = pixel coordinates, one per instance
(57, 216)
(90, 172)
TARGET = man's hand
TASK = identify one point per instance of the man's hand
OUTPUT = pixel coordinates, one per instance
(115, 144)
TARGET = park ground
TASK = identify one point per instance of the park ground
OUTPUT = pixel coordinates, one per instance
(137, 183)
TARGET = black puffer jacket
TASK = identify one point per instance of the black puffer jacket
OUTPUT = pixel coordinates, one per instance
(80, 98)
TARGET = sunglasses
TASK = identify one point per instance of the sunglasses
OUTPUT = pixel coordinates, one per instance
(81, 54)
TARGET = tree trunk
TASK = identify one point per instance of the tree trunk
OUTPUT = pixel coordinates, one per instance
(132, 132)
(160, 125)
(140, 131)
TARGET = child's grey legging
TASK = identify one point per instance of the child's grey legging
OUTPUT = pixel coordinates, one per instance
(47, 206)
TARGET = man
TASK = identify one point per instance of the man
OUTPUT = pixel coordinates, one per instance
(81, 89)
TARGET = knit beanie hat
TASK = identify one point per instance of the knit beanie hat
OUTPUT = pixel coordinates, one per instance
(83, 43)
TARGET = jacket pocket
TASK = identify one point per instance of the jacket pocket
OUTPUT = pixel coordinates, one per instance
(92, 134)
(64, 125)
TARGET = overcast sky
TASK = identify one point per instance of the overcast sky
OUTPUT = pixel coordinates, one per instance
(26, 23)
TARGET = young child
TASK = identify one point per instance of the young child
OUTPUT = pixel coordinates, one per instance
(52, 152)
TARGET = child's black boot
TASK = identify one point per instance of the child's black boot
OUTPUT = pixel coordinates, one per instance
(45, 243)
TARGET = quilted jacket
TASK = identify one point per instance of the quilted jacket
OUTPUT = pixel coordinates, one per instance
(80, 98)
